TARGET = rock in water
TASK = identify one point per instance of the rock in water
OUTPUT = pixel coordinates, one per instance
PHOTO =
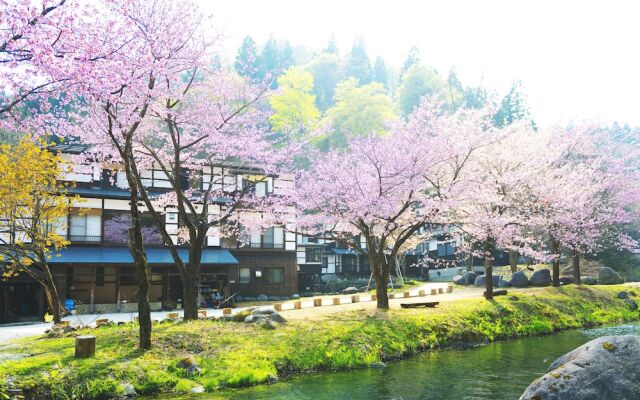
(541, 277)
(604, 368)
(519, 279)
(607, 276)
(128, 390)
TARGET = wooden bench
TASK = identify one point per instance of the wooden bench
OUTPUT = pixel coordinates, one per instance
(429, 304)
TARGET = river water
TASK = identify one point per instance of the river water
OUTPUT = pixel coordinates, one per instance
(494, 371)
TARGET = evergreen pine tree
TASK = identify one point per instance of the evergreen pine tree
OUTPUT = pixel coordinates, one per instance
(270, 59)
(358, 65)
(247, 62)
(286, 56)
(332, 47)
(380, 73)
(412, 58)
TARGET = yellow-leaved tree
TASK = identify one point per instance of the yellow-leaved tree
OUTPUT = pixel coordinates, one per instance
(33, 204)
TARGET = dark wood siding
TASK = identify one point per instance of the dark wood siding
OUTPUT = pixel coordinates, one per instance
(259, 261)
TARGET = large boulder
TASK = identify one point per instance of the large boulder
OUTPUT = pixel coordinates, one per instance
(623, 295)
(588, 280)
(265, 310)
(481, 280)
(607, 276)
(633, 306)
(565, 280)
(350, 290)
(468, 278)
(604, 368)
(519, 279)
(541, 277)
(503, 283)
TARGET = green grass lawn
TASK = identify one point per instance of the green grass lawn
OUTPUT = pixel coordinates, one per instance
(235, 354)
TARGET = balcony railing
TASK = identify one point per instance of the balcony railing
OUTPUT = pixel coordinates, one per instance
(259, 245)
(84, 239)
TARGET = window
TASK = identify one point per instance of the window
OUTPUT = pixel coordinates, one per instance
(155, 178)
(274, 275)
(267, 238)
(117, 224)
(84, 228)
(349, 264)
(313, 254)
(128, 277)
(100, 276)
(244, 275)
(446, 249)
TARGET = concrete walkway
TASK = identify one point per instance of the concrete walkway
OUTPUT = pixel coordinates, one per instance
(24, 329)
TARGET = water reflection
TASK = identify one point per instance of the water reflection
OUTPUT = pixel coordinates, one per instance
(497, 371)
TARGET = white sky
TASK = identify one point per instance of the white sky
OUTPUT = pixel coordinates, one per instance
(577, 59)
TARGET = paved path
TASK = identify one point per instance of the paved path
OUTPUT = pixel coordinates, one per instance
(13, 331)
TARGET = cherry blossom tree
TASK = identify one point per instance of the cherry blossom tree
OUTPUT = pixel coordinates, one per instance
(492, 209)
(584, 191)
(384, 189)
(156, 45)
(202, 128)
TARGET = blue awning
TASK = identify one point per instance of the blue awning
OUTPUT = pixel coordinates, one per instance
(344, 251)
(121, 255)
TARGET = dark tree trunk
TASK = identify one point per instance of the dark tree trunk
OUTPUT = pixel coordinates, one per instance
(45, 279)
(190, 294)
(555, 247)
(136, 246)
(576, 268)
(489, 247)
(513, 260)
(381, 290)
(54, 302)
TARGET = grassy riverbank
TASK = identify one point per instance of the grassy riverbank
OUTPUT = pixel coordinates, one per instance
(236, 354)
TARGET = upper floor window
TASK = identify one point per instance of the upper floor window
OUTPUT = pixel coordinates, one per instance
(85, 228)
(155, 178)
(271, 238)
(446, 249)
(313, 254)
(261, 185)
